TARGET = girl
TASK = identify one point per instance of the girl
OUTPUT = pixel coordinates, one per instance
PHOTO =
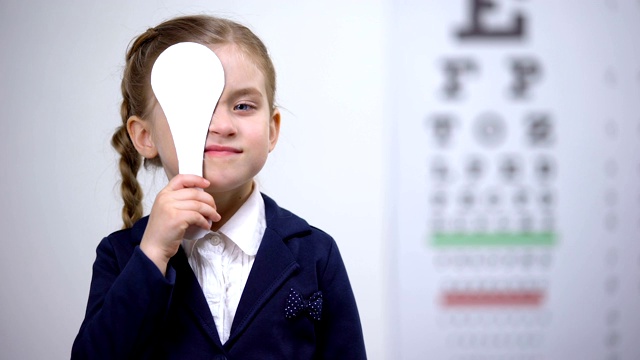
(263, 284)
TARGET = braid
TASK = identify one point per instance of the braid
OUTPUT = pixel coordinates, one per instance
(133, 103)
(130, 160)
(129, 165)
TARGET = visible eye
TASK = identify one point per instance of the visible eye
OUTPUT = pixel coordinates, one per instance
(243, 107)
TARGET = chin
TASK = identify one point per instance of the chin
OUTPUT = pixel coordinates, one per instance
(217, 186)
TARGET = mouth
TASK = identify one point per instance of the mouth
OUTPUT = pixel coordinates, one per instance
(219, 150)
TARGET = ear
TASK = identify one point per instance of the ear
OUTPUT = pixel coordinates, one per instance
(140, 133)
(274, 129)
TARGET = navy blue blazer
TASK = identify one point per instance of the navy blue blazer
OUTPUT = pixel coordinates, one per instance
(134, 312)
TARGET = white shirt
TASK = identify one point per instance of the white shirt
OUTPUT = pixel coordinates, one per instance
(222, 260)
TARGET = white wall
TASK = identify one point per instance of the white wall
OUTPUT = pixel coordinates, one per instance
(60, 67)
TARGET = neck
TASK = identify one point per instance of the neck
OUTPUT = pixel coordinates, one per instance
(228, 203)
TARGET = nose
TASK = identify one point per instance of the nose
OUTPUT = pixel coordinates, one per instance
(222, 123)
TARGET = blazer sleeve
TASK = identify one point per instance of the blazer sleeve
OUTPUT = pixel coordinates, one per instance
(340, 332)
(127, 301)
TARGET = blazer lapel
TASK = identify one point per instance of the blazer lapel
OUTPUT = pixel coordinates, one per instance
(272, 267)
(192, 297)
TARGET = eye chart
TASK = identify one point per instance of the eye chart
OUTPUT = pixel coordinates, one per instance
(516, 179)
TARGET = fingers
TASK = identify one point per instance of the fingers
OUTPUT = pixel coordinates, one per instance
(175, 196)
(193, 194)
(183, 181)
(196, 218)
(189, 199)
(199, 207)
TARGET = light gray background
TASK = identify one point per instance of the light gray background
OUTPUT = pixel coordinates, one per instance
(60, 69)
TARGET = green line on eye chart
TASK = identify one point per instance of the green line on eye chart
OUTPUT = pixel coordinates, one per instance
(494, 239)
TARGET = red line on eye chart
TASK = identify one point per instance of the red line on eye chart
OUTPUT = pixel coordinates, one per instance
(520, 298)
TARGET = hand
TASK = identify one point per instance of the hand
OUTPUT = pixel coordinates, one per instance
(180, 204)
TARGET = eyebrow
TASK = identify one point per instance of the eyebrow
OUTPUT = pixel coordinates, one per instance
(245, 91)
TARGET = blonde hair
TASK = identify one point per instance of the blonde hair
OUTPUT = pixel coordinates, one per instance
(137, 96)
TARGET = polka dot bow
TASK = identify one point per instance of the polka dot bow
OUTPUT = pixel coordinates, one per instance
(296, 305)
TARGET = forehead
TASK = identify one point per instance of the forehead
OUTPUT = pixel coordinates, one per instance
(240, 70)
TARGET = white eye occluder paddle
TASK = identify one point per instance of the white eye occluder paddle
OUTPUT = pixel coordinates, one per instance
(187, 80)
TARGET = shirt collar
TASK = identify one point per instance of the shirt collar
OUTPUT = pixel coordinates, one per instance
(246, 227)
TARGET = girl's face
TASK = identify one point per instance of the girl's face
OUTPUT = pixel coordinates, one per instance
(242, 132)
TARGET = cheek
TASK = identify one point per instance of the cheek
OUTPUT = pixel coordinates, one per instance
(164, 140)
(256, 133)
(166, 150)
(266, 139)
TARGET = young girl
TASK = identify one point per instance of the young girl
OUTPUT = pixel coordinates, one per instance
(263, 284)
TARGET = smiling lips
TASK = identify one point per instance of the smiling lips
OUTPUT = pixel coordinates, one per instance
(219, 150)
